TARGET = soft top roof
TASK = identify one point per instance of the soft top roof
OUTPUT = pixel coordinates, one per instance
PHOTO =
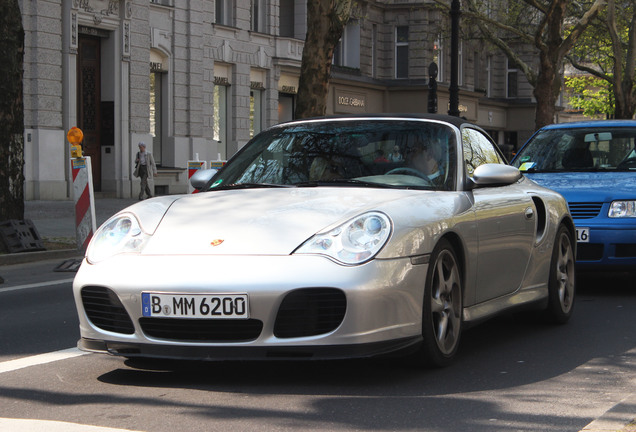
(455, 121)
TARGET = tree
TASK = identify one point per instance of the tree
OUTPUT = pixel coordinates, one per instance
(552, 27)
(326, 20)
(607, 52)
(11, 112)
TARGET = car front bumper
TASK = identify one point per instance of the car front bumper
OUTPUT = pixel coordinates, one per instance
(609, 247)
(383, 305)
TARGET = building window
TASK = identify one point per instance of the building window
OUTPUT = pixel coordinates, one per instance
(163, 3)
(476, 71)
(256, 112)
(258, 14)
(489, 73)
(286, 106)
(287, 18)
(438, 57)
(402, 52)
(460, 65)
(224, 13)
(512, 90)
(156, 123)
(347, 52)
(219, 119)
(374, 44)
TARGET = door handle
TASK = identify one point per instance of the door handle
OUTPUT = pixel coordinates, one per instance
(529, 213)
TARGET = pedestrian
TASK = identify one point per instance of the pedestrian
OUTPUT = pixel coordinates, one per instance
(145, 169)
(395, 155)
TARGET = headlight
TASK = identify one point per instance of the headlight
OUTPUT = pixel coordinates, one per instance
(622, 209)
(120, 234)
(353, 242)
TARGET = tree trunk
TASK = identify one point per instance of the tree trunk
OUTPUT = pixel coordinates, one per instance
(624, 65)
(326, 20)
(546, 90)
(11, 112)
(549, 40)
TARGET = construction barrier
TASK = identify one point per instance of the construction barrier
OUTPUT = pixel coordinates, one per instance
(85, 225)
(20, 236)
(217, 164)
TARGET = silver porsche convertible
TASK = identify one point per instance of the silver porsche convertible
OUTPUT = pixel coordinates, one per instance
(330, 238)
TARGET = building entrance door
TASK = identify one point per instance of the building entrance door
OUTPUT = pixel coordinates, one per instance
(89, 103)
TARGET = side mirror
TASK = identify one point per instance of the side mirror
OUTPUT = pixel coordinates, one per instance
(495, 174)
(200, 178)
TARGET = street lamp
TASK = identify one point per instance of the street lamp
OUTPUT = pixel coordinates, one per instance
(453, 106)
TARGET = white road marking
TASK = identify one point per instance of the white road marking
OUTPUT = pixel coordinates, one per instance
(27, 425)
(35, 285)
(13, 365)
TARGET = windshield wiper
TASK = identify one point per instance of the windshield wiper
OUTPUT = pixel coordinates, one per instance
(247, 186)
(343, 182)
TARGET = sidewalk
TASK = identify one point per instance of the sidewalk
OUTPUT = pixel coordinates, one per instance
(55, 220)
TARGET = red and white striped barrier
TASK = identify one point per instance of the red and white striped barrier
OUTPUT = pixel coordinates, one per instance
(85, 225)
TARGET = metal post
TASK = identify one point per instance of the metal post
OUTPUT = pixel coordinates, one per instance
(453, 106)
(432, 88)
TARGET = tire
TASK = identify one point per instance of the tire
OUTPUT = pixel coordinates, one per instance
(562, 283)
(442, 307)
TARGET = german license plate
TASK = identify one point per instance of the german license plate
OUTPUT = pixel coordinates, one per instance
(173, 305)
(583, 235)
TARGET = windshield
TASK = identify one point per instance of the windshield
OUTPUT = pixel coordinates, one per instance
(376, 153)
(579, 149)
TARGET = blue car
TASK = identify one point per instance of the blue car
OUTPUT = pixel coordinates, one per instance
(593, 165)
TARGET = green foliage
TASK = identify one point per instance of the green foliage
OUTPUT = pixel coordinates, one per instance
(606, 51)
(591, 95)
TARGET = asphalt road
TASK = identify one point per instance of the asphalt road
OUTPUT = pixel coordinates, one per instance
(513, 373)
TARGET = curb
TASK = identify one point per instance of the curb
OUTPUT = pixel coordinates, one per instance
(27, 257)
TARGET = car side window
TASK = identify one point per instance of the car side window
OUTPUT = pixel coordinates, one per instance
(478, 150)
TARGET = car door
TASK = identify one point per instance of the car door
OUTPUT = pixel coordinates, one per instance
(505, 218)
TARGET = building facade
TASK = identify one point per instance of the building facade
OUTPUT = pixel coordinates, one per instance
(196, 79)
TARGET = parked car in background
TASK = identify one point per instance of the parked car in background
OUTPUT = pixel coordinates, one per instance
(309, 245)
(593, 165)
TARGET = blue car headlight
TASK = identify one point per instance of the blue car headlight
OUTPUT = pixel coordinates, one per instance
(120, 234)
(622, 209)
(354, 242)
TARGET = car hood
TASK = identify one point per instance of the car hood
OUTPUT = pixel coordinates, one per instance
(589, 186)
(259, 221)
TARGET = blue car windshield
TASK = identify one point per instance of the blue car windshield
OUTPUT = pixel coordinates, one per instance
(362, 152)
(579, 149)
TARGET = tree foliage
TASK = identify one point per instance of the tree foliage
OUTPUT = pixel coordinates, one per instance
(607, 52)
(11, 112)
(589, 94)
(551, 27)
(326, 20)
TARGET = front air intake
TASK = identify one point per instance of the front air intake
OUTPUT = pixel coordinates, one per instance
(310, 312)
(202, 330)
(105, 311)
